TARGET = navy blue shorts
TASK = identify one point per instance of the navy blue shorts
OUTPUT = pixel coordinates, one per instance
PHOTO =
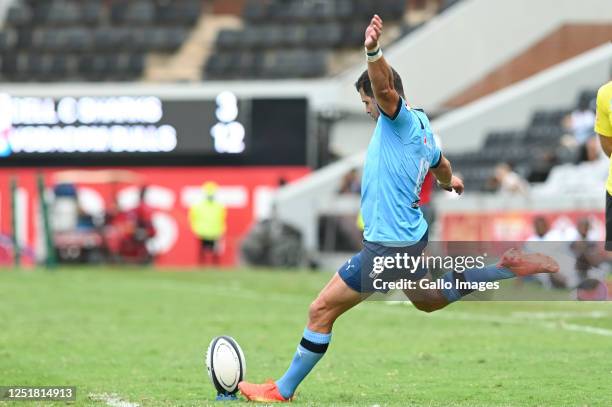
(365, 272)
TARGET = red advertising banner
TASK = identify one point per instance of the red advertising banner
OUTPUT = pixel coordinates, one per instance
(246, 192)
(518, 226)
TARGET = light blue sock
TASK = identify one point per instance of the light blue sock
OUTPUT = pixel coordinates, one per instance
(310, 350)
(486, 274)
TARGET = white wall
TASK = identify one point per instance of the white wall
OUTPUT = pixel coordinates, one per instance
(351, 135)
(300, 203)
(457, 48)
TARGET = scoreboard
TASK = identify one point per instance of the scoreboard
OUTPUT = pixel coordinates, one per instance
(147, 130)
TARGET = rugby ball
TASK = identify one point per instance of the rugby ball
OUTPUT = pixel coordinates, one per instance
(225, 364)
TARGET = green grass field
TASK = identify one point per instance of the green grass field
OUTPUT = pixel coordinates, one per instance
(142, 335)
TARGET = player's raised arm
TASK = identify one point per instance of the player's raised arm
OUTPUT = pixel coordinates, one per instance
(444, 175)
(379, 71)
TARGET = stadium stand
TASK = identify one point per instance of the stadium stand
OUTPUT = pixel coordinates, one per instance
(294, 38)
(524, 149)
(90, 39)
(96, 40)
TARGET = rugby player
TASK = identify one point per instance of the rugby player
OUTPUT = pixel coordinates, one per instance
(401, 152)
(603, 127)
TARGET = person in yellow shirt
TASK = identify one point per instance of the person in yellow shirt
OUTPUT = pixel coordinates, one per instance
(603, 127)
(208, 223)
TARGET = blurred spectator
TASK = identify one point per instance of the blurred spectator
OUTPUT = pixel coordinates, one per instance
(580, 259)
(541, 229)
(507, 181)
(208, 223)
(543, 241)
(143, 214)
(580, 123)
(585, 249)
(592, 150)
(542, 166)
(351, 184)
(129, 231)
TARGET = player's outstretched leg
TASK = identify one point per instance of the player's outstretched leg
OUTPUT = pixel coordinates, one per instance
(512, 263)
(333, 301)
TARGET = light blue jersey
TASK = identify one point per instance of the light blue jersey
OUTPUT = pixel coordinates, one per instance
(399, 156)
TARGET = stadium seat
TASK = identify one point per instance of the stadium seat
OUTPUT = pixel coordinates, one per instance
(294, 35)
(185, 12)
(522, 149)
(91, 11)
(8, 39)
(136, 40)
(79, 39)
(251, 38)
(272, 36)
(587, 98)
(59, 67)
(84, 37)
(40, 12)
(228, 39)
(139, 13)
(353, 35)
(63, 13)
(9, 64)
(254, 10)
(80, 29)
(19, 16)
(289, 25)
(136, 64)
(175, 37)
(326, 35)
(106, 39)
(250, 65)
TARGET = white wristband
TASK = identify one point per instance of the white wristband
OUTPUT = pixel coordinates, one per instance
(373, 56)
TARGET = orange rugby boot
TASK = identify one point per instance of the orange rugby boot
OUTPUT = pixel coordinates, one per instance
(525, 264)
(265, 393)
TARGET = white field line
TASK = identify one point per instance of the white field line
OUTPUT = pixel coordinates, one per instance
(536, 318)
(112, 400)
(525, 318)
(586, 328)
(568, 314)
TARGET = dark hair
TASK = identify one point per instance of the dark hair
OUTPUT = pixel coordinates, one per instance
(364, 83)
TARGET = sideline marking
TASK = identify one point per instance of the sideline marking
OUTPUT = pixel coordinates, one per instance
(112, 400)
